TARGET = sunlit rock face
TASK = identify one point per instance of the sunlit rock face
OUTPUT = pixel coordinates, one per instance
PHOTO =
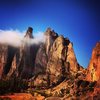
(55, 59)
(71, 58)
(43, 53)
(93, 70)
(50, 37)
(62, 60)
(43, 56)
(56, 67)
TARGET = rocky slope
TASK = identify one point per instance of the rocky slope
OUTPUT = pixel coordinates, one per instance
(50, 68)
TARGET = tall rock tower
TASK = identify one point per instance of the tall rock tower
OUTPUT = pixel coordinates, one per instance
(24, 59)
(27, 56)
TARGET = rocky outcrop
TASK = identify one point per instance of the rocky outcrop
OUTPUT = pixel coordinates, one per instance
(64, 77)
(55, 67)
(71, 59)
(55, 59)
(50, 37)
(42, 58)
(24, 59)
(93, 70)
(20, 61)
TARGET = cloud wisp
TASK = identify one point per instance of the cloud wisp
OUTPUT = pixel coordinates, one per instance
(16, 38)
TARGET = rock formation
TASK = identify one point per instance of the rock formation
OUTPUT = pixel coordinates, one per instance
(19, 62)
(55, 59)
(41, 60)
(93, 70)
(26, 56)
(50, 68)
(56, 67)
(7, 54)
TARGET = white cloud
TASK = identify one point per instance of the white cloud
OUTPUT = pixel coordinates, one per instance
(16, 38)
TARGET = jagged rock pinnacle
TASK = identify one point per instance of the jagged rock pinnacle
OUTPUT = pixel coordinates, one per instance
(29, 32)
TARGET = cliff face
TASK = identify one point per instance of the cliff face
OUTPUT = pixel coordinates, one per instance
(93, 70)
(55, 57)
(61, 60)
(27, 55)
(7, 53)
(20, 61)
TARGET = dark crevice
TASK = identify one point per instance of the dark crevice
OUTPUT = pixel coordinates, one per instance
(11, 53)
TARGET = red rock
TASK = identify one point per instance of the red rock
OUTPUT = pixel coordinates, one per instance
(18, 96)
(93, 70)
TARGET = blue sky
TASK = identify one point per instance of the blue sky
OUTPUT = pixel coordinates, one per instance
(79, 20)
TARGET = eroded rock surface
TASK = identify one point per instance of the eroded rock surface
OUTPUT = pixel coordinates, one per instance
(93, 70)
(50, 68)
(55, 59)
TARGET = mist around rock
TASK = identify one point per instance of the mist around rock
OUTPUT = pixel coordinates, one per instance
(15, 38)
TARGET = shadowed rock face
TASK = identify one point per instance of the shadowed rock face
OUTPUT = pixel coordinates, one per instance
(41, 60)
(27, 54)
(6, 58)
(93, 73)
(3, 58)
(11, 52)
(19, 61)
